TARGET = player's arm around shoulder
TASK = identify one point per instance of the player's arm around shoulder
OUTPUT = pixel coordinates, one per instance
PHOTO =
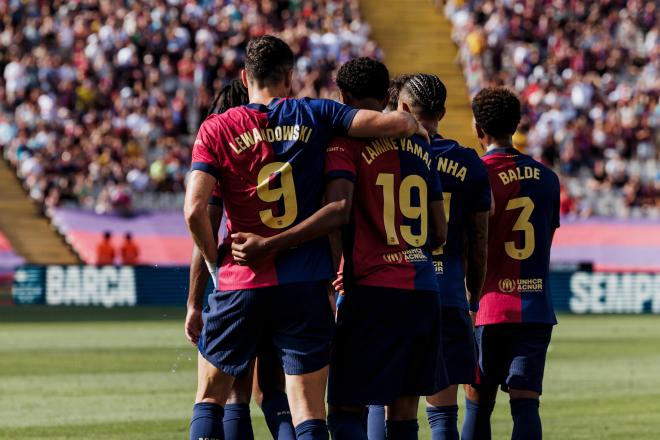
(340, 174)
(397, 124)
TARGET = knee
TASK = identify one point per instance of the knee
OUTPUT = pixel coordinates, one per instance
(404, 408)
(523, 394)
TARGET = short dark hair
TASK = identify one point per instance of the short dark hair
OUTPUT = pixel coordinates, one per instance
(231, 95)
(107, 234)
(427, 92)
(497, 111)
(396, 84)
(364, 78)
(268, 60)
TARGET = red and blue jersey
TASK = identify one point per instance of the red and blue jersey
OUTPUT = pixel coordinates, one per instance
(466, 190)
(386, 243)
(526, 196)
(268, 161)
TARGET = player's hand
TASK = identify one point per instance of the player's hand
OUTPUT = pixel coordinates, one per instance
(338, 283)
(473, 316)
(248, 248)
(193, 326)
(421, 131)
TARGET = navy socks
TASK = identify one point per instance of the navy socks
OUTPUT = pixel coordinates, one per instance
(345, 425)
(376, 422)
(275, 407)
(206, 422)
(476, 425)
(314, 429)
(443, 420)
(236, 421)
(402, 429)
(526, 419)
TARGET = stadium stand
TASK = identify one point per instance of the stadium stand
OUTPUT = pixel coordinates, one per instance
(98, 101)
(587, 72)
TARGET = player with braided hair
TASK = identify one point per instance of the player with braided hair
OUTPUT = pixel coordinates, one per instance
(467, 198)
(231, 95)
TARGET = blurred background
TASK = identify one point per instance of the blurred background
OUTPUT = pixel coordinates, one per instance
(100, 102)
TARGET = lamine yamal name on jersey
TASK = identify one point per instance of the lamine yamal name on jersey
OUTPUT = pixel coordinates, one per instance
(279, 133)
(381, 145)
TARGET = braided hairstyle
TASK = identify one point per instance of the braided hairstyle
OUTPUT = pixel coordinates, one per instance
(427, 93)
(231, 95)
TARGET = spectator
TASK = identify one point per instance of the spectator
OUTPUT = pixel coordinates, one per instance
(105, 252)
(129, 251)
(103, 98)
(587, 73)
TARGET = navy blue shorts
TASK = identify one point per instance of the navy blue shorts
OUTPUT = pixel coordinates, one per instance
(295, 319)
(512, 355)
(388, 345)
(458, 344)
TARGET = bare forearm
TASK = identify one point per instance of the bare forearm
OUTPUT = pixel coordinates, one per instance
(369, 123)
(327, 219)
(199, 278)
(477, 256)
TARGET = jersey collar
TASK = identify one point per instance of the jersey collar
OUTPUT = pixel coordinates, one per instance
(502, 150)
(261, 107)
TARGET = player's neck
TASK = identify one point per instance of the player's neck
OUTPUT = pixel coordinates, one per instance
(431, 126)
(266, 94)
(492, 143)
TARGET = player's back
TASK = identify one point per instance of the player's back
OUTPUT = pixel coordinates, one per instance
(526, 199)
(387, 240)
(465, 190)
(268, 160)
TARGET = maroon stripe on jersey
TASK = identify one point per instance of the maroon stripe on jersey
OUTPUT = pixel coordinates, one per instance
(500, 301)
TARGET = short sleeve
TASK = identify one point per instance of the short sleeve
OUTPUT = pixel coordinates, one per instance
(435, 186)
(341, 159)
(206, 147)
(338, 116)
(480, 197)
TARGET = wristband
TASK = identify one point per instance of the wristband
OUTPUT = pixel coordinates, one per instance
(213, 270)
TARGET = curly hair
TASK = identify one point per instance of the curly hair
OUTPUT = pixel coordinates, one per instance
(364, 78)
(396, 84)
(268, 59)
(497, 111)
(231, 95)
(427, 92)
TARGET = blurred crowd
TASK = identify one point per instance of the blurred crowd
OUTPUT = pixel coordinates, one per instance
(99, 99)
(588, 75)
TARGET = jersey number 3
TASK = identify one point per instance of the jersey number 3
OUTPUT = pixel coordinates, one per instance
(521, 224)
(386, 180)
(286, 191)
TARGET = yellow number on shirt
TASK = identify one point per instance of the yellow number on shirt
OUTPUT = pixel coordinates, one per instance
(446, 201)
(408, 210)
(285, 191)
(521, 224)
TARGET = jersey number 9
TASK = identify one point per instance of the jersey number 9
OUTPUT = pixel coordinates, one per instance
(286, 191)
(407, 209)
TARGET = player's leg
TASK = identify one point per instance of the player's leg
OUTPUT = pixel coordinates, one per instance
(268, 391)
(376, 422)
(525, 379)
(460, 351)
(347, 422)
(493, 361)
(303, 329)
(236, 421)
(227, 345)
(213, 388)
(401, 419)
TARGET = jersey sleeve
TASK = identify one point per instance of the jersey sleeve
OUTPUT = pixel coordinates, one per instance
(338, 116)
(206, 147)
(341, 159)
(480, 197)
(435, 186)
